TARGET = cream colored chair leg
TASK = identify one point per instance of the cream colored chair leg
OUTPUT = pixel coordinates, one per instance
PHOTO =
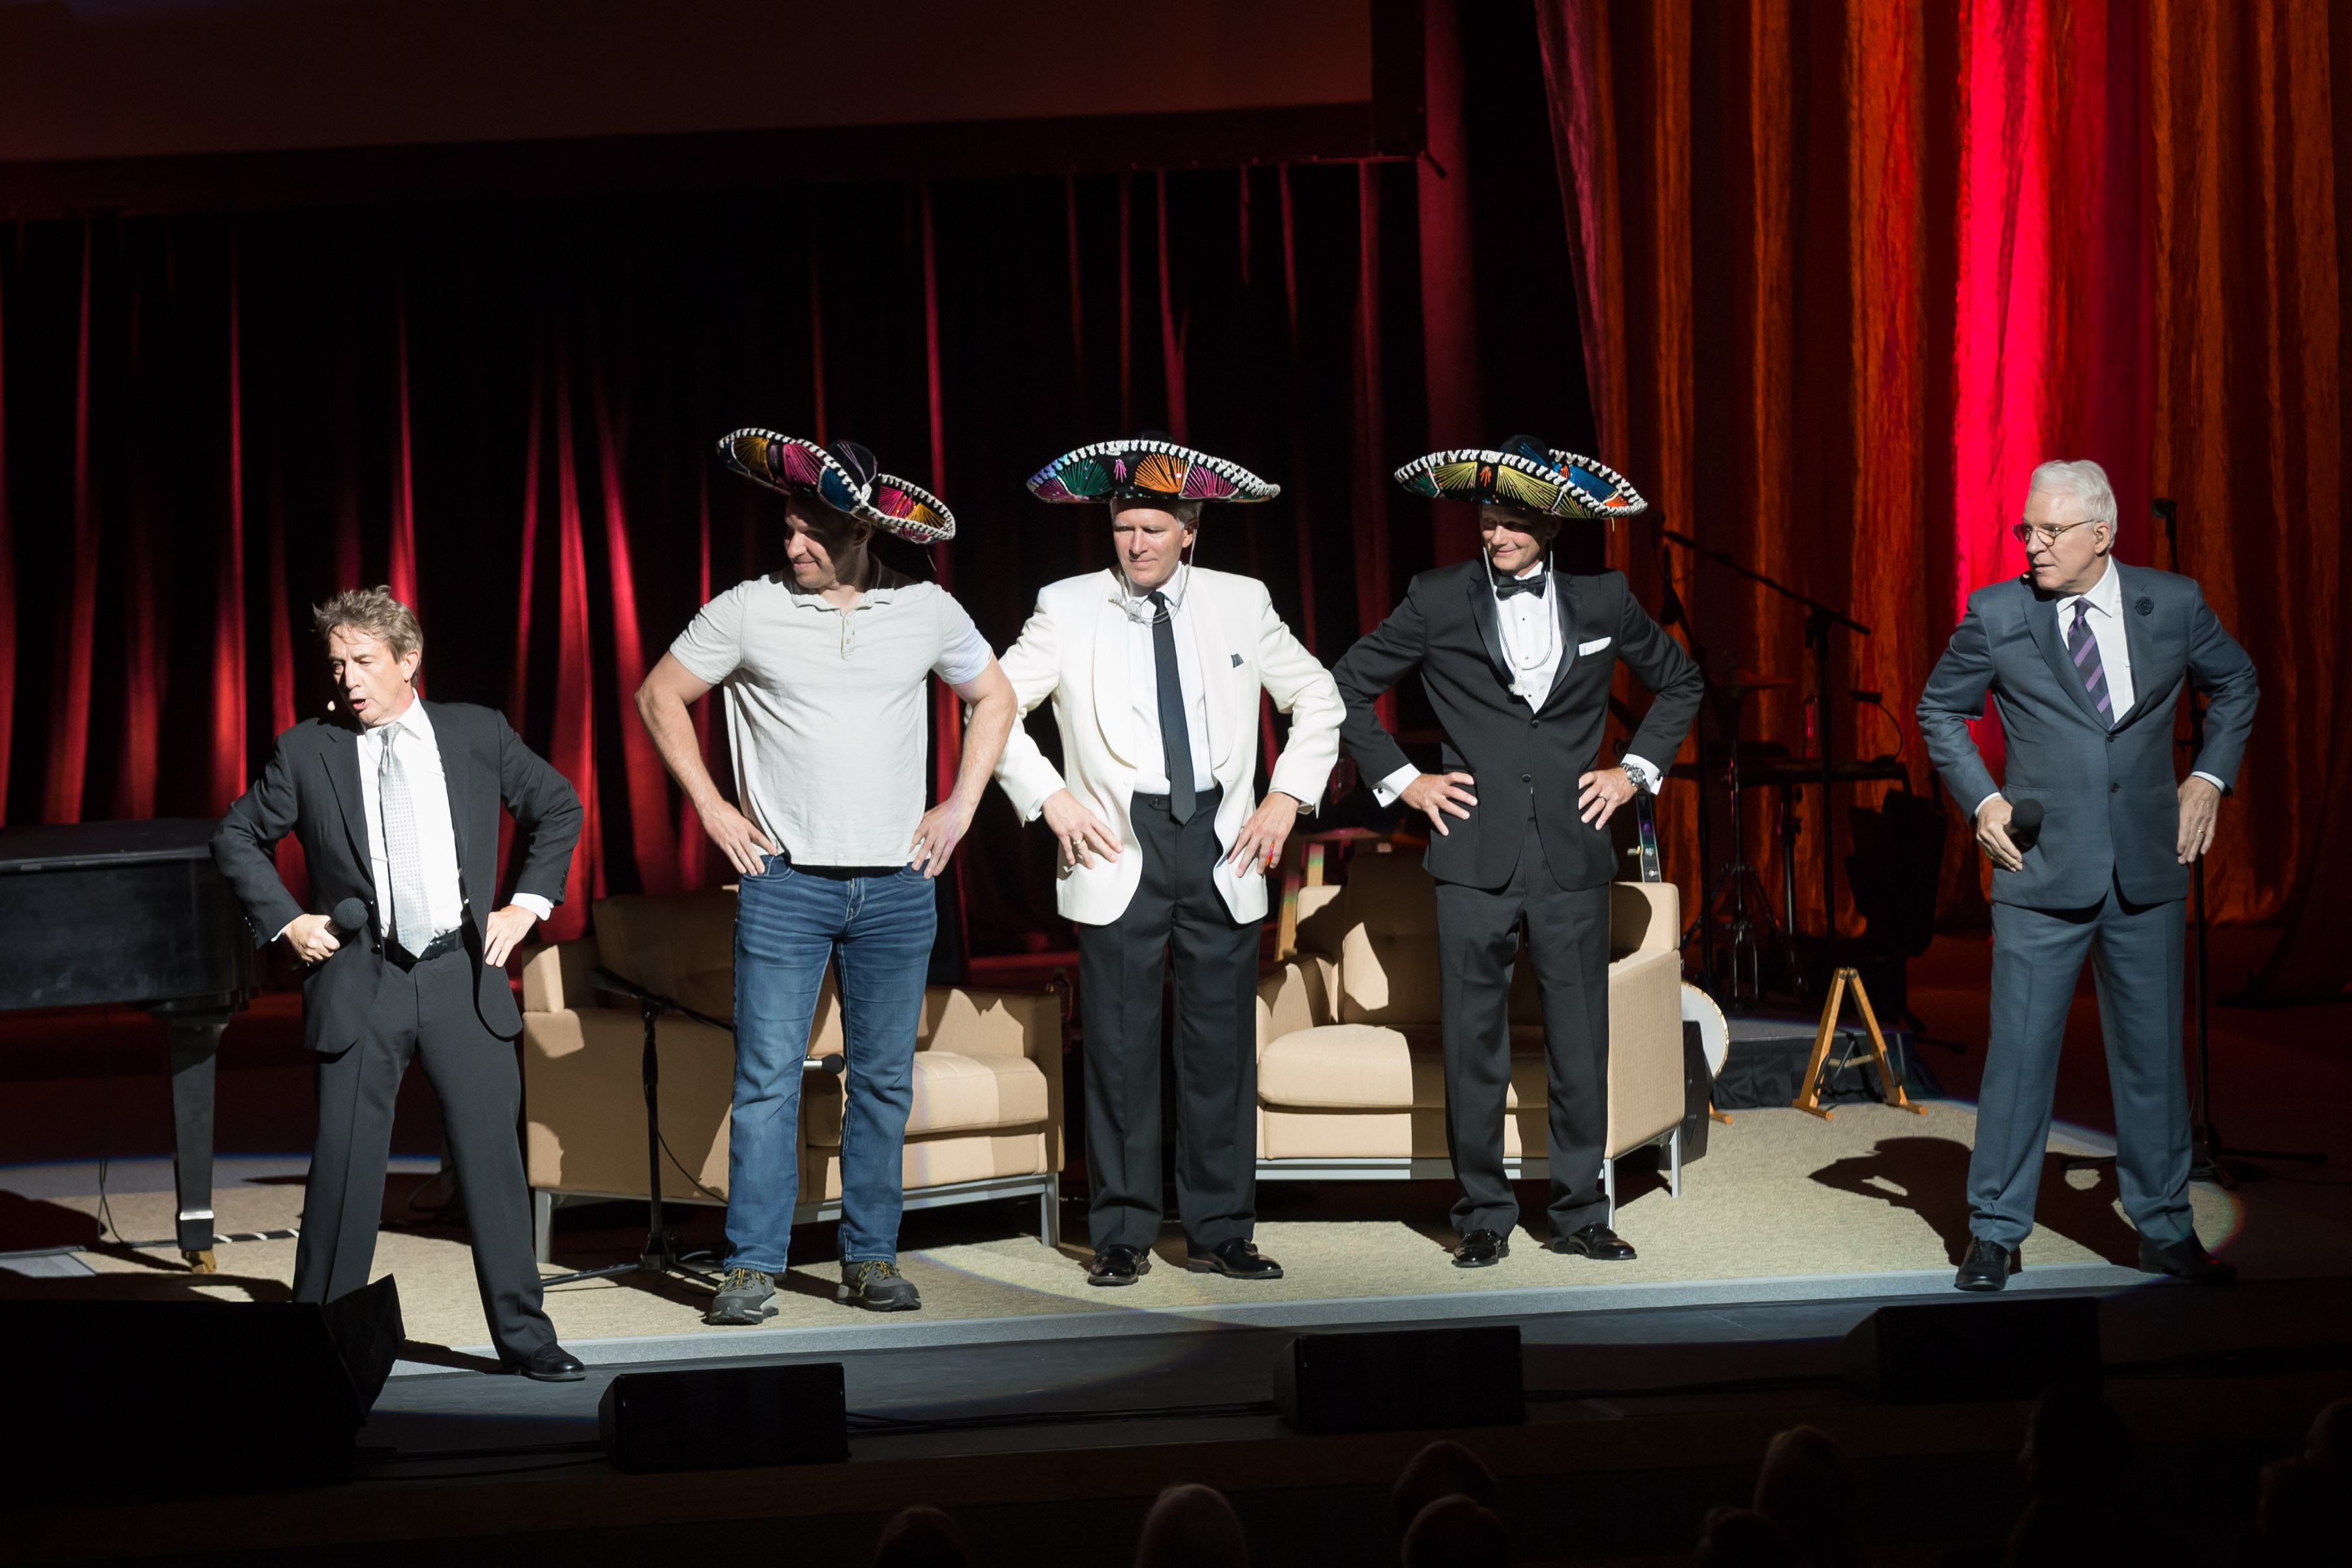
(1675, 1163)
(1609, 1189)
(542, 1226)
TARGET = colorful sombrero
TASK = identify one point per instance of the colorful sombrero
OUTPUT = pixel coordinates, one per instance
(845, 477)
(1527, 475)
(1147, 468)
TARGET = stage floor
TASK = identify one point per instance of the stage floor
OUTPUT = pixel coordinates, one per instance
(1783, 1207)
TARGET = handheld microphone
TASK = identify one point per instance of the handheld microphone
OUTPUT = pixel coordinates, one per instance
(350, 916)
(2025, 823)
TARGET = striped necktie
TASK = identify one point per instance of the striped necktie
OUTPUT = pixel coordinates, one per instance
(2084, 650)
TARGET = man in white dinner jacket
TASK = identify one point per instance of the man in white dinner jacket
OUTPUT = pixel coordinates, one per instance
(1154, 668)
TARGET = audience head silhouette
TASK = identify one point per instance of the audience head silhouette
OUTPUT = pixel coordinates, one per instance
(2076, 1446)
(1742, 1538)
(1441, 1469)
(2329, 1446)
(1192, 1527)
(1456, 1532)
(2060, 1531)
(921, 1537)
(1808, 1488)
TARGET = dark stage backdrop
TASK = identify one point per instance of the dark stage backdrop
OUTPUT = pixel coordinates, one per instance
(1836, 275)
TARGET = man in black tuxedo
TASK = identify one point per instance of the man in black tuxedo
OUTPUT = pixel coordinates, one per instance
(1516, 658)
(395, 804)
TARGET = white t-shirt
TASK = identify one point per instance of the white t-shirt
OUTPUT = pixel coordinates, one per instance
(826, 713)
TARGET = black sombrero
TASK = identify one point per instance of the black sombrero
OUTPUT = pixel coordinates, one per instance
(1525, 475)
(845, 477)
(1149, 467)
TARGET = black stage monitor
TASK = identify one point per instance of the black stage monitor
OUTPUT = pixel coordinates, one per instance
(1956, 1351)
(1417, 1379)
(725, 1417)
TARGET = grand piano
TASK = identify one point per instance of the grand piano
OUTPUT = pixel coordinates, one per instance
(134, 914)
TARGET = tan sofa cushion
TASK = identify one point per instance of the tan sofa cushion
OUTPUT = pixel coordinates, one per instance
(1418, 1134)
(953, 1092)
(679, 944)
(935, 1162)
(1388, 954)
(1364, 1067)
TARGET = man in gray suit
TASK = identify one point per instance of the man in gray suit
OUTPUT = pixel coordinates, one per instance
(2085, 659)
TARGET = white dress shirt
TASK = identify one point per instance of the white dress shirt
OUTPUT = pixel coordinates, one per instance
(1530, 626)
(1151, 775)
(2106, 600)
(437, 835)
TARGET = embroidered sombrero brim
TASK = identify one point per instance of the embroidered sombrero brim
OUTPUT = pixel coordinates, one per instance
(789, 465)
(1564, 486)
(1146, 469)
(908, 511)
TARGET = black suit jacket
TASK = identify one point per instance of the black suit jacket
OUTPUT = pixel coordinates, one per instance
(311, 789)
(1526, 763)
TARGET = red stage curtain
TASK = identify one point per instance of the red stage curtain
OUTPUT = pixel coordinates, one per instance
(1848, 272)
(230, 737)
(2252, 149)
(70, 721)
(7, 586)
(1449, 299)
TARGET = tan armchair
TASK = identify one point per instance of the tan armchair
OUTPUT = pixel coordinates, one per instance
(987, 1115)
(1351, 1068)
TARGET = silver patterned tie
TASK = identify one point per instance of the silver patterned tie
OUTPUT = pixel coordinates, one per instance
(411, 917)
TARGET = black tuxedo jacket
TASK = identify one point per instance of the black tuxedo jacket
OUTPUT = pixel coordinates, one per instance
(311, 789)
(1526, 762)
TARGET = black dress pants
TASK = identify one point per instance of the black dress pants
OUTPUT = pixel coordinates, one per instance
(1568, 939)
(1176, 911)
(429, 1013)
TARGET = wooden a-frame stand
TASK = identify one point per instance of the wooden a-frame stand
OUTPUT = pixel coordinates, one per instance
(1809, 1094)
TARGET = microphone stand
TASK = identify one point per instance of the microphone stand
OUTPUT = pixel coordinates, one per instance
(2210, 1157)
(660, 1256)
(1819, 619)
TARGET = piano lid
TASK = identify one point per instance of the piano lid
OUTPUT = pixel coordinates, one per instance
(92, 846)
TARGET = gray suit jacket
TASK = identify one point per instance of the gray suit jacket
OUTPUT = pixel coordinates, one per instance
(311, 789)
(2110, 795)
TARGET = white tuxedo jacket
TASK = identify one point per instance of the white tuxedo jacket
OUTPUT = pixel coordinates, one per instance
(1074, 650)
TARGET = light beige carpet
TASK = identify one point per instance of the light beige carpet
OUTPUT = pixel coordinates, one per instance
(1779, 1192)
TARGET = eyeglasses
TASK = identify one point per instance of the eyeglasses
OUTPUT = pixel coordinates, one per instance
(2029, 534)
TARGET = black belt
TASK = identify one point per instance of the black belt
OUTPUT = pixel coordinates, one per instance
(1202, 800)
(447, 942)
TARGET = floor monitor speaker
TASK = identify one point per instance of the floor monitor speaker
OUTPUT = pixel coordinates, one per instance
(726, 1417)
(1959, 1351)
(1419, 1378)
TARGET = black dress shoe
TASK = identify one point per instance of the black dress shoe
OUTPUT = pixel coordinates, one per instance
(1119, 1264)
(1595, 1241)
(2185, 1260)
(1987, 1267)
(1238, 1260)
(1481, 1250)
(550, 1363)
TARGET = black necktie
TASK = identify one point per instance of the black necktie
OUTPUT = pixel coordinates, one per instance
(1534, 584)
(1175, 735)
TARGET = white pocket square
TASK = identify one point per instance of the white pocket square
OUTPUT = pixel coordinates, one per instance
(1595, 646)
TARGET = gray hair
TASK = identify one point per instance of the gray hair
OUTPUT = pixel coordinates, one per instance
(2080, 480)
(1187, 512)
(373, 611)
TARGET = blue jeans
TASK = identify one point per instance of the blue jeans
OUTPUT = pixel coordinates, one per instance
(789, 922)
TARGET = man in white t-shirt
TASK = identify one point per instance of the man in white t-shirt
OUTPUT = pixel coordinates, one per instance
(824, 667)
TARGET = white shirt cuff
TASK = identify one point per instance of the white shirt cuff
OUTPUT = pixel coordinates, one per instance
(540, 908)
(1389, 788)
(2209, 778)
(1982, 804)
(284, 928)
(1643, 772)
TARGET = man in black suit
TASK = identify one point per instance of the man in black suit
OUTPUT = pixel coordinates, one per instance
(395, 804)
(1516, 658)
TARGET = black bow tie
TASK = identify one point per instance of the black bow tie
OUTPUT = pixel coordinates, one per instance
(1534, 584)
